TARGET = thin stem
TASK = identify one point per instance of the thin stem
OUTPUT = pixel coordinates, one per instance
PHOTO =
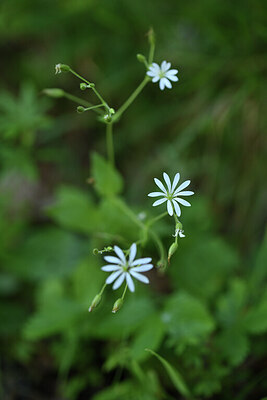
(153, 220)
(79, 76)
(109, 142)
(124, 292)
(102, 290)
(151, 53)
(129, 101)
(80, 101)
(93, 107)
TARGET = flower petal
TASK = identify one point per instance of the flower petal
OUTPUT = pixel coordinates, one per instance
(160, 185)
(167, 180)
(175, 181)
(158, 202)
(186, 193)
(132, 253)
(167, 83)
(130, 282)
(151, 73)
(109, 268)
(113, 260)
(172, 78)
(120, 254)
(140, 277)
(181, 187)
(162, 83)
(165, 66)
(156, 79)
(155, 194)
(172, 72)
(183, 202)
(141, 261)
(142, 268)
(177, 208)
(119, 281)
(169, 208)
(155, 66)
(113, 276)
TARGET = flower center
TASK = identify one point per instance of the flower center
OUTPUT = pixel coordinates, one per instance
(161, 74)
(125, 267)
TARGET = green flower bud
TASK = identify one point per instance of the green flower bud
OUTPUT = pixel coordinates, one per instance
(80, 109)
(62, 68)
(95, 252)
(54, 92)
(109, 248)
(117, 305)
(95, 302)
(91, 85)
(172, 250)
(141, 58)
(83, 86)
(179, 226)
(111, 111)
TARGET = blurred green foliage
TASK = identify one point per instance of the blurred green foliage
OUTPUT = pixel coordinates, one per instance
(205, 320)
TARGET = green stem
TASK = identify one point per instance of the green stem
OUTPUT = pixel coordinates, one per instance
(153, 220)
(93, 107)
(79, 76)
(102, 290)
(109, 142)
(151, 53)
(129, 101)
(124, 292)
(80, 101)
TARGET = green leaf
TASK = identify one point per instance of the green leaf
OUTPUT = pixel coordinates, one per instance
(256, 318)
(150, 334)
(48, 253)
(174, 375)
(73, 209)
(233, 345)
(187, 319)
(108, 181)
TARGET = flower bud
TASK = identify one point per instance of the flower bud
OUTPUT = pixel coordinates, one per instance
(117, 305)
(80, 109)
(141, 58)
(95, 252)
(83, 86)
(151, 36)
(179, 226)
(111, 111)
(54, 92)
(62, 68)
(91, 85)
(172, 250)
(95, 302)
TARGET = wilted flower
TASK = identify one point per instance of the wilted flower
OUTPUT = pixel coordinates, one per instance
(122, 268)
(171, 194)
(163, 74)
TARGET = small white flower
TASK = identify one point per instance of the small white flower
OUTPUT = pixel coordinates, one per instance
(179, 232)
(58, 69)
(122, 268)
(171, 194)
(163, 74)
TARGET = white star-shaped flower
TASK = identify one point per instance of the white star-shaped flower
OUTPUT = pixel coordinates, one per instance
(179, 232)
(122, 268)
(163, 74)
(58, 69)
(171, 194)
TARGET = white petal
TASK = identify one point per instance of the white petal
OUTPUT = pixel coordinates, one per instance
(172, 72)
(141, 261)
(142, 268)
(181, 187)
(175, 181)
(186, 193)
(165, 66)
(172, 78)
(156, 194)
(113, 276)
(177, 208)
(140, 277)
(168, 83)
(169, 208)
(155, 66)
(151, 73)
(130, 282)
(181, 234)
(109, 268)
(119, 281)
(158, 202)
(167, 180)
(120, 254)
(156, 79)
(132, 253)
(183, 202)
(113, 260)
(160, 185)
(162, 84)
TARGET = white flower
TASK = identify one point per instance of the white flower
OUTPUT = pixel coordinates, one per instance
(163, 74)
(122, 268)
(171, 194)
(58, 69)
(179, 232)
